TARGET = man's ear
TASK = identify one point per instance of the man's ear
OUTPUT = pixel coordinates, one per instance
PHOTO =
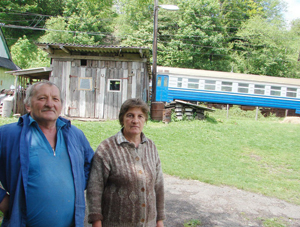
(27, 108)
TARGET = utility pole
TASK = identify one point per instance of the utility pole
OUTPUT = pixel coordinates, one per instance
(154, 51)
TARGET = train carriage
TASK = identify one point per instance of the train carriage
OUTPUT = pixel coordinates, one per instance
(227, 88)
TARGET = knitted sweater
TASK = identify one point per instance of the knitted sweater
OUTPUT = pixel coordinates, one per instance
(126, 184)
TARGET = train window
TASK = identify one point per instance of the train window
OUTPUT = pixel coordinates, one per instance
(179, 82)
(275, 90)
(291, 92)
(243, 88)
(166, 82)
(259, 89)
(226, 86)
(210, 85)
(193, 83)
(159, 82)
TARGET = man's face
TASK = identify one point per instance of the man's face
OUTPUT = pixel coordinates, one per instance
(45, 104)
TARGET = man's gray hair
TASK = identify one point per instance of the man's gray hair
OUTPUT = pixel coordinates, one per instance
(31, 90)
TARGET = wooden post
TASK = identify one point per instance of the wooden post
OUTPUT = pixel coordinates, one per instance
(15, 95)
(154, 52)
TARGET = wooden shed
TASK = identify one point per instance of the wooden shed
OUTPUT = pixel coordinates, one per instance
(96, 80)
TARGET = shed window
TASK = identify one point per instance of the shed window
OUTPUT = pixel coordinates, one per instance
(259, 89)
(243, 88)
(275, 90)
(114, 85)
(85, 83)
(193, 83)
(210, 85)
(226, 86)
(83, 62)
(291, 92)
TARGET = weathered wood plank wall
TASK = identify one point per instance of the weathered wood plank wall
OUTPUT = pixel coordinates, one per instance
(99, 102)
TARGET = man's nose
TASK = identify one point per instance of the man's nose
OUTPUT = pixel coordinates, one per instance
(49, 103)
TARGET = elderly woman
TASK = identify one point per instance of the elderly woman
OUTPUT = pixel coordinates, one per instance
(126, 182)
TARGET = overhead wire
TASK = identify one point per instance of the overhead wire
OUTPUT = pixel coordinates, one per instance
(43, 17)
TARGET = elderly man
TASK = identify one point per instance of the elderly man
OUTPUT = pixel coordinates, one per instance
(44, 164)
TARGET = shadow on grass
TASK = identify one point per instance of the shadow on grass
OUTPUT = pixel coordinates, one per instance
(211, 120)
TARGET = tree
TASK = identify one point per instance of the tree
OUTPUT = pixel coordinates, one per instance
(265, 49)
(199, 41)
(83, 22)
(27, 55)
(29, 13)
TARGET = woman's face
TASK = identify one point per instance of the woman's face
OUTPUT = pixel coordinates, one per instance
(134, 121)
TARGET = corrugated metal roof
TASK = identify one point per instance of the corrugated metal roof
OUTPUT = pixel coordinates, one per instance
(226, 75)
(48, 47)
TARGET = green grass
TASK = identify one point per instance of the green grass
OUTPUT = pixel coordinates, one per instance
(260, 156)
(192, 223)
(274, 222)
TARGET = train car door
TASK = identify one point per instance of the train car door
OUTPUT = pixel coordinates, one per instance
(162, 82)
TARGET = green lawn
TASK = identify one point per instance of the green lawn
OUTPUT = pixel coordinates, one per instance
(260, 156)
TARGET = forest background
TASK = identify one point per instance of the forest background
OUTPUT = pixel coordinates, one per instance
(244, 36)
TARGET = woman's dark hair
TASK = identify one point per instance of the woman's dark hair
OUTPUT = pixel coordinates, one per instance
(132, 103)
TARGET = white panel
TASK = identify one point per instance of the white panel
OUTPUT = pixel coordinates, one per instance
(184, 82)
(201, 84)
(82, 96)
(124, 85)
(218, 85)
(133, 94)
(234, 87)
(173, 81)
(66, 85)
(283, 91)
(268, 90)
(251, 89)
(102, 92)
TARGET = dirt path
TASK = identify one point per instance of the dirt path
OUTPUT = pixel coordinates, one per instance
(223, 206)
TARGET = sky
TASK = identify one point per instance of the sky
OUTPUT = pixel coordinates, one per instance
(293, 10)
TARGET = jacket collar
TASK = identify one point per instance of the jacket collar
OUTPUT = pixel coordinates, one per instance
(25, 119)
(120, 138)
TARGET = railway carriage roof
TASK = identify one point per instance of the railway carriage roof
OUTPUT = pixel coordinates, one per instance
(227, 75)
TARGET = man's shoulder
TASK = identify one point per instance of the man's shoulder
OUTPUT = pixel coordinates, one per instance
(12, 127)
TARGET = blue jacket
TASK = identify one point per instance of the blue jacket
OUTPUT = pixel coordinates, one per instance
(14, 167)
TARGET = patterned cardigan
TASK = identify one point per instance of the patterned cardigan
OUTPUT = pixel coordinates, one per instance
(126, 185)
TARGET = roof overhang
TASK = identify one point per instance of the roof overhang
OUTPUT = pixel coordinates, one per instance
(33, 73)
(50, 48)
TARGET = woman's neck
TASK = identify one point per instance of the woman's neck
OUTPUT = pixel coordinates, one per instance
(136, 139)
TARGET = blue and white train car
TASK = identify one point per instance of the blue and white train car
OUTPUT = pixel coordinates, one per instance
(227, 88)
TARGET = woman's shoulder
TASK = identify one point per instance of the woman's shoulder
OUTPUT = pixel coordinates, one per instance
(107, 144)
